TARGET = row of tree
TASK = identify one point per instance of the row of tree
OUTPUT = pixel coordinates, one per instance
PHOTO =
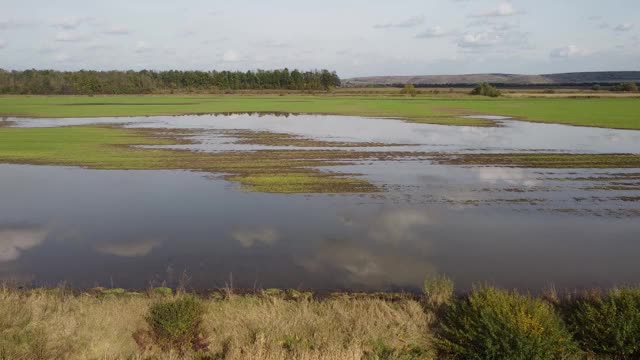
(50, 82)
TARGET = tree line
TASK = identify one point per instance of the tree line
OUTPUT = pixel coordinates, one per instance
(84, 82)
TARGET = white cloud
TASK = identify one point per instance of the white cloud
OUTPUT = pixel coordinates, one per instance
(569, 51)
(275, 44)
(70, 22)
(249, 237)
(355, 263)
(230, 56)
(15, 240)
(480, 39)
(3, 44)
(117, 30)
(493, 40)
(408, 23)
(394, 226)
(67, 36)
(434, 32)
(96, 45)
(129, 249)
(506, 176)
(7, 24)
(48, 49)
(623, 27)
(142, 46)
(62, 57)
(503, 9)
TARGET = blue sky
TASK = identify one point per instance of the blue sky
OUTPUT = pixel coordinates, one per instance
(354, 37)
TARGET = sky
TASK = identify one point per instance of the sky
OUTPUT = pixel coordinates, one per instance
(353, 37)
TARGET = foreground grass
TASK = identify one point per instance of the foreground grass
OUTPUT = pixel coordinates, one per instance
(487, 323)
(53, 325)
(619, 113)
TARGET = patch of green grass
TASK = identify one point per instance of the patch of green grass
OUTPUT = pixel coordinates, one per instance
(545, 160)
(177, 324)
(301, 182)
(278, 171)
(601, 112)
(162, 291)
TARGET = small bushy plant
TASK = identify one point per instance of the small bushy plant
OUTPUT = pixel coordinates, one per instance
(380, 350)
(497, 324)
(626, 87)
(409, 89)
(486, 89)
(607, 325)
(177, 324)
(438, 290)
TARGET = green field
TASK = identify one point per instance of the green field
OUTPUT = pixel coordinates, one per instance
(620, 113)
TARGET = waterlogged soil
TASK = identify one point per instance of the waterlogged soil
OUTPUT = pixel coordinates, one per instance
(480, 204)
(509, 136)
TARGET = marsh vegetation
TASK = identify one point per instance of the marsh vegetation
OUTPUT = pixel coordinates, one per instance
(487, 323)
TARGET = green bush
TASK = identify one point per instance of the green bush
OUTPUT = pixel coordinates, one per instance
(163, 291)
(177, 324)
(486, 89)
(607, 324)
(496, 324)
(409, 89)
(626, 87)
(380, 350)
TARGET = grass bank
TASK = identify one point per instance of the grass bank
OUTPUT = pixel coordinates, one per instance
(278, 171)
(487, 323)
(618, 113)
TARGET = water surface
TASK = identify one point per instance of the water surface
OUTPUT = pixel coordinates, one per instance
(524, 228)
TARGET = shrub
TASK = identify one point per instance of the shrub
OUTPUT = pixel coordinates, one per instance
(162, 291)
(177, 324)
(626, 87)
(439, 290)
(486, 89)
(379, 350)
(409, 89)
(496, 324)
(607, 325)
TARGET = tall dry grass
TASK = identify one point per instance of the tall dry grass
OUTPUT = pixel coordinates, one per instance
(54, 324)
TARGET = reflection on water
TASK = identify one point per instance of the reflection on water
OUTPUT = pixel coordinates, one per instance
(514, 227)
(16, 239)
(141, 228)
(511, 136)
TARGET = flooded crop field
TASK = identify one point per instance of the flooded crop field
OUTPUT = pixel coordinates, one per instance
(479, 204)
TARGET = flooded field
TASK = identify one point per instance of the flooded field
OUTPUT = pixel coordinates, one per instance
(510, 226)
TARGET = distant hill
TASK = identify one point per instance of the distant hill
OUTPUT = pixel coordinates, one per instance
(507, 79)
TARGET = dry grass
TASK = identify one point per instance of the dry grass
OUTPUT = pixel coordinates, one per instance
(54, 325)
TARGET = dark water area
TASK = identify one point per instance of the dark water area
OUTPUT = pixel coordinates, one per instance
(511, 227)
(142, 228)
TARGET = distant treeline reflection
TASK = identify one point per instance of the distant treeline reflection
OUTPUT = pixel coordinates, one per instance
(52, 82)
